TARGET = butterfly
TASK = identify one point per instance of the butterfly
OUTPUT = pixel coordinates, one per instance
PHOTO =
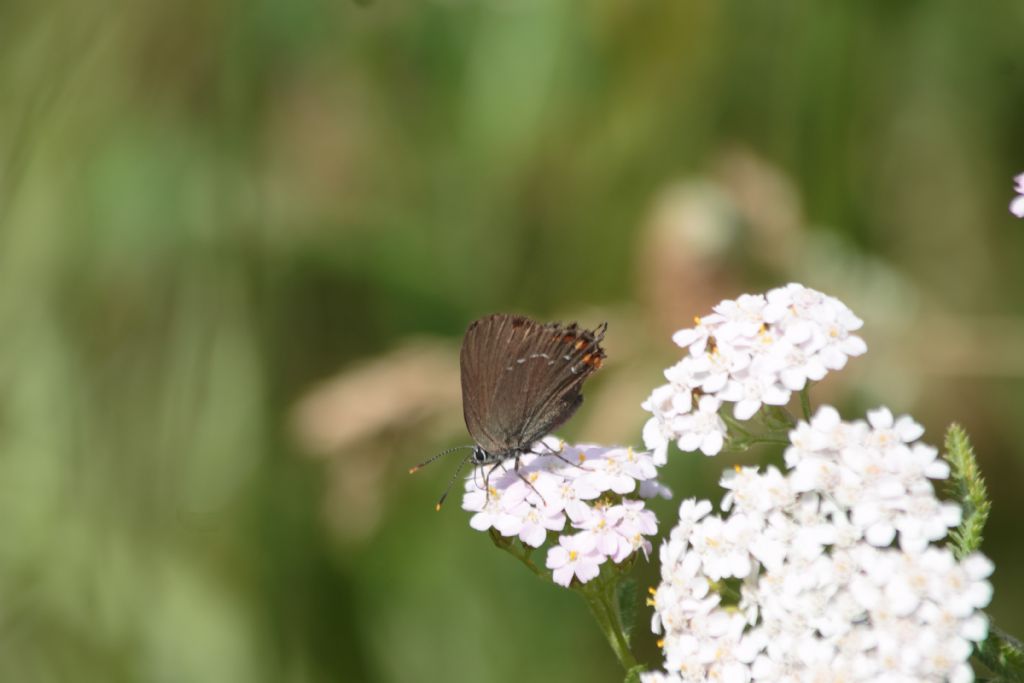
(521, 379)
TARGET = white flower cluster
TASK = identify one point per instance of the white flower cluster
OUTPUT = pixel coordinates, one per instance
(823, 593)
(1017, 205)
(753, 351)
(596, 489)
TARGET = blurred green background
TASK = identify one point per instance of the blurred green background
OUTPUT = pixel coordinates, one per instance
(239, 243)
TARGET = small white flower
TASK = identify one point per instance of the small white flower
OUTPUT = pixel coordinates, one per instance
(531, 525)
(753, 351)
(660, 677)
(696, 338)
(741, 318)
(889, 430)
(711, 372)
(691, 511)
(667, 402)
(617, 469)
(797, 365)
(703, 429)
(716, 541)
(1017, 205)
(598, 490)
(755, 493)
(760, 386)
(602, 527)
(635, 523)
(657, 435)
(652, 488)
(488, 508)
(825, 593)
(574, 556)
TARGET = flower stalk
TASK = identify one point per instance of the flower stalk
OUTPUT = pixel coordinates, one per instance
(521, 552)
(600, 596)
(601, 599)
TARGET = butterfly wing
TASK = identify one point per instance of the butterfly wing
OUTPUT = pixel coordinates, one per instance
(521, 378)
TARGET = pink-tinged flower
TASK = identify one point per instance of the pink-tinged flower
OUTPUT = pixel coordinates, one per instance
(576, 556)
(489, 510)
(602, 527)
(532, 525)
(1017, 205)
(570, 484)
(652, 488)
(635, 522)
(617, 469)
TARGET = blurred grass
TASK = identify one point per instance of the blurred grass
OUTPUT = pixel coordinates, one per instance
(208, 208)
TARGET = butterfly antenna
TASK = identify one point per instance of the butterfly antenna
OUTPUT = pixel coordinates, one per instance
(451, 481)
(439, 455)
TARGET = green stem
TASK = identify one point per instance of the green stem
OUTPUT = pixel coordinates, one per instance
(805, 403)
(741, 438)
(608, 619)
(599, 594)
(743, 443)
(733, 424)
(769, 439)
(521, 554)
(777, 419)
(727, 591)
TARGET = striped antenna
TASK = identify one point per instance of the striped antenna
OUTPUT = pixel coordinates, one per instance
(436, 457)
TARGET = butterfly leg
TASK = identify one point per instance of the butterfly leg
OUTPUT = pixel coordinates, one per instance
(566, 460)
(557, 454)
(479, 471)
(487, 481)
(528, 482)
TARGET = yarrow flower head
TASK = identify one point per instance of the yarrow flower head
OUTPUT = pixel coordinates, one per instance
(1017, 205)
(595, 492)
(754, 351)
(827, 572)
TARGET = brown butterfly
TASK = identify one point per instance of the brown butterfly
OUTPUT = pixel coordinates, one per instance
(520, 380)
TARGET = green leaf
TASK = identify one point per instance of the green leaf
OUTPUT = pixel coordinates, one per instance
(968, 487)
(1003, 655)
(626, 600)
(633, 675)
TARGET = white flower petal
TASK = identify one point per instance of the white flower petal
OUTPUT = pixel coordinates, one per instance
(1017, 206)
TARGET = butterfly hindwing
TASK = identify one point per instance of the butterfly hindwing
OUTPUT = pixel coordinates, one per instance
(521, 378)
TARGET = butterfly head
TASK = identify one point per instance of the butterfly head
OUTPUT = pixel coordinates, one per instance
(483, 457)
